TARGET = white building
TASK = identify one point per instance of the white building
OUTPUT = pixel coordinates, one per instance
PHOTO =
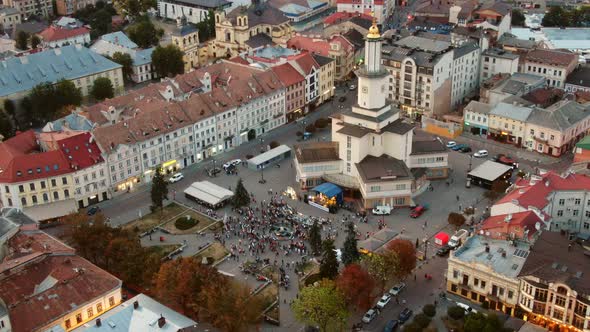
(465, 73)
(9, 17)
(195, 11)
(497, 61)
(554, 65)
(380, 9)
(55, 36)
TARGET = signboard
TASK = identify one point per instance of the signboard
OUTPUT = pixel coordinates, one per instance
(321, 207)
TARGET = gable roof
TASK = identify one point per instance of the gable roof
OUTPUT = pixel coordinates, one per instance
(287, 74)
(120, 39)
(560, 58)
(81, 150)
(525, 220)
(54, 33)
(258, 15)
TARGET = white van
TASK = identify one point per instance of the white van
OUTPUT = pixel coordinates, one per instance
(382, 210)
(459, 237)
(468, 309)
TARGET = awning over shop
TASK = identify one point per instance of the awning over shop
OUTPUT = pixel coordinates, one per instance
(330, 190)
(51, 210)
(441, 238)
(208, 193)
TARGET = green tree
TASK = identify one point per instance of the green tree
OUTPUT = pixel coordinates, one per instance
(350, 252)
(382, 267)
(10, 109)
(6, 129)
(167, 60)
(321, 306)
(456, 219)
(133, 8)
(329, 261)
(102, 89)
(517, 18)
(22, 40)
(456, 312)
(421, 320)
(125, 60)
(159, 191)
(241, 195)
(43, 103)
(429, 310)
(67, 94)
(315, 238)
(35, 41)
(556, 17)
(207, 27)
(143, 33)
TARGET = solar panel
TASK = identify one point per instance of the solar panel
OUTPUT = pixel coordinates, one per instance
(514, 266)
(521, 253)
(490, 256)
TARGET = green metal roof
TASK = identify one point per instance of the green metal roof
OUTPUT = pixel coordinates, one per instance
(584, 143)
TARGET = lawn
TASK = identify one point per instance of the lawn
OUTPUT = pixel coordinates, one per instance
(152, 220)
(216, 250)
(203, 222)
(269, 294)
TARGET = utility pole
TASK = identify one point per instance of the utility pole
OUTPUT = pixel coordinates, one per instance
(262, 180)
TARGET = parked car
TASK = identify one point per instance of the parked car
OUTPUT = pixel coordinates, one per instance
(468, 309)
(385, 299)
(506, 160)
(176, 177)
(481, 154)
(465, 149)
(459, 237)
(352, 87)
(370, 315)
(395, 290)
(382, 210)
(342, 99)
(391, 326)
(405, 315)
(443, 251)
(93, 210)
(231, 163)
(417, 211)
(458, 147)
(213, 171)
(451, 144)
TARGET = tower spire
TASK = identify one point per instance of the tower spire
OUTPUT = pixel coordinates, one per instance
(374, 30)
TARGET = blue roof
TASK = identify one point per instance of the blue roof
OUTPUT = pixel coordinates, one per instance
(119, 38)
(21, 74)
(143, 57)
(328, 189)
(74, 121)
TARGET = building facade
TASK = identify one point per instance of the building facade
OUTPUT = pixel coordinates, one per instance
(497, 61)
(194, 11)
(553, 65)
(186, 38)
(27, 8)
(380, 9)
(578, 80)
(465, 75)
(9, 17)
(55, 36)
(69, 7)
(326, 78)
(475, 118)
(336, 47)
(294, 84)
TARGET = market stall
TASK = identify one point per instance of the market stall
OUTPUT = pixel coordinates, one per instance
(441, 238)
(327, 196)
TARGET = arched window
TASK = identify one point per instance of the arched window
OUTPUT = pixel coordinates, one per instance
(23, 201)
(227, 37)
(45, 197)
(268, 30)
(34, 198)
(216, 18)
(239, 21)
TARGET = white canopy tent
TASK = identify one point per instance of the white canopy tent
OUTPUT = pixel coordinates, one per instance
(208, 193)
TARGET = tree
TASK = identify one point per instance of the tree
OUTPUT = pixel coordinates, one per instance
(350, 253)
(143, 33)
(382, 267)
(456, 219)
(67, 94)
(329, 261)
(22, 40)
(207, 27)
(479, 322)
(310, 128)
(406, 254)
(241, 195)
(133, 8)
(315, 238)
(102, 89)
(421, 320)
(167, 60)
(429, 310)
(46, 101)
(6, 129)
(456, 312)
(35, 41)
(556, 17)
(357, 286)
(321, 123)
(517, 18)
(159, 190)
(125, 60)
(321, 306)
(10, 109)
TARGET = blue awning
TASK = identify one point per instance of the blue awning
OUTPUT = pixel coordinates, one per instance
(328, 189)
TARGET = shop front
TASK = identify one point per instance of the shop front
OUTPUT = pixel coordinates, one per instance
(327, 197)
(127, 185)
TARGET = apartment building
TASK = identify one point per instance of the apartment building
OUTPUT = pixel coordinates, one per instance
(9, 17)
(520, 226)
(308, 67)
(553, 65)
(186, 37)
(485, 270)
(475, 117)
(326, 78)
(69, 7)
(380, 9)
(335, 47)
(493, 16)
(578, 80)
(507, 122)
(465, 74)
(554, 284)
(27, 8)
(194, 11)
(496, 61)
(294, 84)
(501, 86)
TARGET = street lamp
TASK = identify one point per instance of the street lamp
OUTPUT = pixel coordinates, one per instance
(262, 180)
(425, 249)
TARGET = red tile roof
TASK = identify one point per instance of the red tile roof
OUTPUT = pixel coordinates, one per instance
(69, 281)
(544, 97)
(54, 33)
(319, 46)
(358, 2)
(32, 242)
(287, 74)
(305, 62)
(561, 58)
(21, 159)
(338, 17)
(502, 225)
(81, 150)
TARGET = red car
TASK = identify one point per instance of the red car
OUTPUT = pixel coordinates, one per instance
(417, 211)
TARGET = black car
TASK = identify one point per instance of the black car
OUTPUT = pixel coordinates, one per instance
(405, 315)
(93, 210)
(465, 149)
(342, 99)
(443, 251)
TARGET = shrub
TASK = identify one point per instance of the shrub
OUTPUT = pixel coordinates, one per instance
(184, 223)
(412, 327)
(421, 320)
(485, 305)
(321, 123)
(312, 278)
(456, 312)
(273, 144)
(310, 128)
(429, 310)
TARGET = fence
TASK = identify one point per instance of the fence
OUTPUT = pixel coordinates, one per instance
(440, 128)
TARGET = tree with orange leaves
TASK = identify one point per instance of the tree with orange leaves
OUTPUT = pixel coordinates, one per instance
(406, 253)
(357, 286)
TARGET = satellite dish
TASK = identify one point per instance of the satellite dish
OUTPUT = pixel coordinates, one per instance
(538, 226)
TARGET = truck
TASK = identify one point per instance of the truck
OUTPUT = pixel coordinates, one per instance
(382, 210)
(459, 237)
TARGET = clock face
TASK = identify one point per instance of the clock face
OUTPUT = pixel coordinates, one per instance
(365, 89)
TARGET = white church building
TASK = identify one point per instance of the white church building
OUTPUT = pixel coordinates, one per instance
(373, 150)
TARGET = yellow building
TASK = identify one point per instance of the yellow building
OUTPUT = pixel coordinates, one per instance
(326, 82)
(246, 28)
(186, 37)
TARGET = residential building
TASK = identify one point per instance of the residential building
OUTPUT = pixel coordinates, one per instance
(380, 9)
(302, 13)
(341, 22)
(554, 284)
(326, 78)
(465, 73)
(138, 314)
(544, 97)
(510, 43)
(578, 80)
(554, 65)
(9, 17)
(308, 67)
(429, 157)
(51, 288)
(507, 122)
(43, 8)
(496, 61)
(582, 150)
(562, 201)
(484, 270)
(502, 86)
(513, 226)
(294, 84)
(246, 28)
(335, 47)
(195, 11)
(186, 37)
(475, 118)
(495, 16)
(372, 145)
(69, 7)
(111, 43)
(556, 129)
(55, 36)
(73, 63)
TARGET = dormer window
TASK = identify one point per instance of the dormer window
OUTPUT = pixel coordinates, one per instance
(30, 171)
(19, 173)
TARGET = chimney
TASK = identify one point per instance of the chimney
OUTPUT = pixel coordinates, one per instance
(161, 321)
(487, 249)
(135, 305)
(98, 322)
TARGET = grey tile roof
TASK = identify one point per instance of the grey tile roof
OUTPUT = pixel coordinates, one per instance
(580, 76)
(422, 59)
(399, 127)
(259, 14)
(382, 168)
(259, 40)
(425, 44)
(465, 49)
(380, 118)
(213, 4)
(560, 116)
(354, 130)
(322, 60)
(426, 147)
(12, 218)
(478, 107)
(500, 53)
(510, 111)
(511, 40)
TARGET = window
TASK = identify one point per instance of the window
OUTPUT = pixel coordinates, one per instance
(510, 294)
(558, 314)
(55, 195)
(455, 274)
(78, 318)
(111, 301)
(90, 312)
(577, 201)
(575, 212)
(68, 324)
(99, 307)
(23, 201)
(43, 185)
(560, 301)
(53, 182)
(483, 284)
(560, 213)
(562, 202)
(45, 197)
(66, 193)
(21, 189)
(32, 186)
(375, 188)
(400, 186)
(475, 281)
(34, 199)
